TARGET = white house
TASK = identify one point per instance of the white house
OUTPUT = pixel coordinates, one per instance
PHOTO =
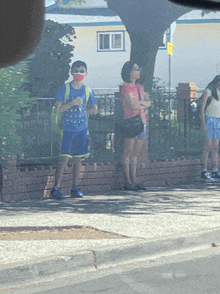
(104, 44)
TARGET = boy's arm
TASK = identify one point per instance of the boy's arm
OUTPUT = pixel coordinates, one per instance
(92, 110)
(62, 108)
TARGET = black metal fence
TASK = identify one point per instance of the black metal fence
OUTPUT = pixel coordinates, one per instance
(170, 133)
(41, 144)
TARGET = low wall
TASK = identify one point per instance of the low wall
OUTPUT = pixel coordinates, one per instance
(36, 182)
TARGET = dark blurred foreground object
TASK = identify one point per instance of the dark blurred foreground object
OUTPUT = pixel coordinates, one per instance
(21, 23)
(205, 4)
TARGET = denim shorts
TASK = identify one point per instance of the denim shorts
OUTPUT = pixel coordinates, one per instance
(75, 144)
(142, 135)
(213, 127)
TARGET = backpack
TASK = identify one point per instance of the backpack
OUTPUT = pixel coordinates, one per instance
(56, 117)
(194, 111)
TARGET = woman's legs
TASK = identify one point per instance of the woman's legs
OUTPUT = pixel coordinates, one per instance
(133, 159)
(207, 149)
(128, 148)
(214, 153)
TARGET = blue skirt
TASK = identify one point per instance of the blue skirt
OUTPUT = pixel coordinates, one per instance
(213, 127)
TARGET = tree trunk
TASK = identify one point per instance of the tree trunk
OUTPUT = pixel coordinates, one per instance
(146, 21)
(144, 49)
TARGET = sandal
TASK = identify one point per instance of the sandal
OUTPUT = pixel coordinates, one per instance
(130, 187)
(141, 187)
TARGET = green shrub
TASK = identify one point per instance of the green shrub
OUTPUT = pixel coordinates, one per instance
(12, 99)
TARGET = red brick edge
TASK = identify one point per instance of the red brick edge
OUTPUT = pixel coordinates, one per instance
(26, 183)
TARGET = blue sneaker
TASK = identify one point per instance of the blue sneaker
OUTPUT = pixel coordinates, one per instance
(76, 192)
(56, 194)
(216, 175)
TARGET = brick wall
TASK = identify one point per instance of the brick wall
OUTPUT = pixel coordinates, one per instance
(24, 183)
(37, 182)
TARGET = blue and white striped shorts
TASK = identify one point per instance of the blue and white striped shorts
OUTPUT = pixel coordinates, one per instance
(213, 127)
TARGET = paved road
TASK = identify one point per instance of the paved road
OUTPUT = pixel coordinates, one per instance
(195, 271)
(156, 221)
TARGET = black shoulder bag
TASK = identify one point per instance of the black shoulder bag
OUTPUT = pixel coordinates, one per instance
(131, 127)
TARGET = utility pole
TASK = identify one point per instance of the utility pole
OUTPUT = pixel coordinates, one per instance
(170, 52)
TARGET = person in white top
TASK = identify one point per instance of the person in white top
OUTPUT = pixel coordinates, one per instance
(210, 122)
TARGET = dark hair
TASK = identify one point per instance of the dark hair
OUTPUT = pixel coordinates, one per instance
(78, 63)
(126, 71)
(213, 86)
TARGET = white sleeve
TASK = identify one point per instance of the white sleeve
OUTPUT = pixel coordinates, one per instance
(208, 91)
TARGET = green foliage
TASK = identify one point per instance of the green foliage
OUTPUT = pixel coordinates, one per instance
(12, 98)
(68, 3)
(160, 108)
(49, 67)
(204, 12)
(168, 137)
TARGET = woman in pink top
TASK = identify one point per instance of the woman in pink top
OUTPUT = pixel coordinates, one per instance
(131, 91)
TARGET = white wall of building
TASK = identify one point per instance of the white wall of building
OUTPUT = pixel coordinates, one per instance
(195, 56)
(104, 68)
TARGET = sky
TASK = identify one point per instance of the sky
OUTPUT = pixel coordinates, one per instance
(49, 2)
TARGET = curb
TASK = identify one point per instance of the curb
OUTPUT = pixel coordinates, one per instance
(48, 267)
(104, 257)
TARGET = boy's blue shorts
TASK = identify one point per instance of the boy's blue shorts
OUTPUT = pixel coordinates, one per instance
(75, 144)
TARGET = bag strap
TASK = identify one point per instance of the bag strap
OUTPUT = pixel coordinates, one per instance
(67, 93)
(87, 93)
(139, 95)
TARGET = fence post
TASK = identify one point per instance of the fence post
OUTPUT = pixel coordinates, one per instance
(119, 142)
(185, 92)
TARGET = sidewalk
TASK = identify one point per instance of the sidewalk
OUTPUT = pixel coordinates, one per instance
(129, 226)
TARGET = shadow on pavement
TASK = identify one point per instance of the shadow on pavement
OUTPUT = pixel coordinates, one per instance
(194, 199)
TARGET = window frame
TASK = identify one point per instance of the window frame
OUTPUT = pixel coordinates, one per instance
(111, 34)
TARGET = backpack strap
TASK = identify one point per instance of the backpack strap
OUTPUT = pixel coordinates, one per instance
(67, 93)
(87, 93)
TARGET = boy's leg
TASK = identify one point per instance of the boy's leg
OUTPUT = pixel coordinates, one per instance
(55, 192)
(76, 170)
(76, 191)
(60, 169)
(67, 142)
(80, 150)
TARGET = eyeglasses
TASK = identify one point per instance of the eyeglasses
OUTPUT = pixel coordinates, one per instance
(82, 71)
(136, 69)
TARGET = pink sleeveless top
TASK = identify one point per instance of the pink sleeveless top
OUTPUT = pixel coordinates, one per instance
(130, 112)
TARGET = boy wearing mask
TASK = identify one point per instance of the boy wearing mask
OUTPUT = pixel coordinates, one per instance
(75, 142)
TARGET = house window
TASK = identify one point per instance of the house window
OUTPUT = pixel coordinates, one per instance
(165, 38)
(110, 41)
